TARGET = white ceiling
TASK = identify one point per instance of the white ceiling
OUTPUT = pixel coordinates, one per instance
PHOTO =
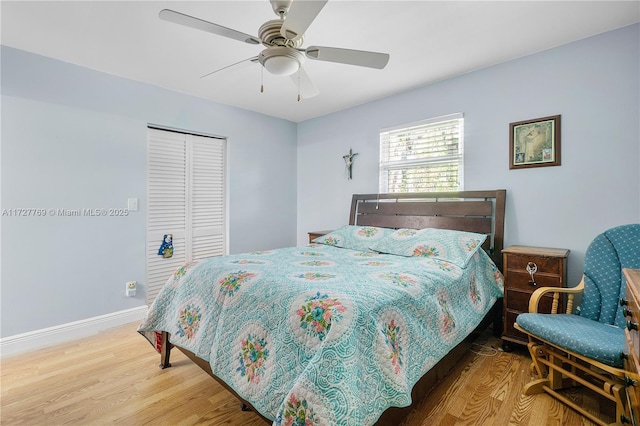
(427, 40)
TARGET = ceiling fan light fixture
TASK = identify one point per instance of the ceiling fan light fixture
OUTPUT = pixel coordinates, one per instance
(281, 65)
(281, 60)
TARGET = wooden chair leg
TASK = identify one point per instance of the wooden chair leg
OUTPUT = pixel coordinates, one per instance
(555, 374)
(619, 394)
(537, 350)
(536, 386)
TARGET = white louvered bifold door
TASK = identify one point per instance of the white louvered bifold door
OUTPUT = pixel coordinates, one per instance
(186, 198)
(207, 197)
(166, 205)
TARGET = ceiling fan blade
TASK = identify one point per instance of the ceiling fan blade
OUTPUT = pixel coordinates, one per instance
(306, 88)
(200, 24)
(300, 15)
(253, 59)
(348, 56)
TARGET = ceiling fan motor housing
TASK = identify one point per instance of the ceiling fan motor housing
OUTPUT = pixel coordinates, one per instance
(270, 35)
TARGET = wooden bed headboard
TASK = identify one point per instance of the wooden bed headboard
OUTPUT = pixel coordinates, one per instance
(471, 211)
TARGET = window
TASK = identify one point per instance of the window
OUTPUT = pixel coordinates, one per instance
(422, 157)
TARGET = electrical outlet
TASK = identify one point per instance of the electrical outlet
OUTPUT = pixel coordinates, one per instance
(131, 289)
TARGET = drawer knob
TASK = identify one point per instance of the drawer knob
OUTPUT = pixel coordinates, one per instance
(632, 325)
(628, 381)
(626, 312)
(532, 268)
(623, 302)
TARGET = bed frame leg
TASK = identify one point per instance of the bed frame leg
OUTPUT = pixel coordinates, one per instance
(165, 351)
(497, 318)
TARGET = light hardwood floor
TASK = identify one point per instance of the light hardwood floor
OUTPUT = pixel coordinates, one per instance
(115, 379)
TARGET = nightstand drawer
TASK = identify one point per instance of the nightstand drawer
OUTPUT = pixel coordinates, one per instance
(631, 363)
(519, 301)
(510, 329)
(520, 280)
(546, 265)
(632, 314)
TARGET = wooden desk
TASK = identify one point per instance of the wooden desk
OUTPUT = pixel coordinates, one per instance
(632, 361)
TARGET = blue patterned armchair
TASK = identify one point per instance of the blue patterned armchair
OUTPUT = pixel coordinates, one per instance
(586, 347)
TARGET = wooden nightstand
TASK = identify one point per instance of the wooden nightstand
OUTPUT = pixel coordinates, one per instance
(549, 267)
(315, 234)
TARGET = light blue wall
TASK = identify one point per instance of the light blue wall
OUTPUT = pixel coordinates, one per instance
(76, 138)
(593, 84)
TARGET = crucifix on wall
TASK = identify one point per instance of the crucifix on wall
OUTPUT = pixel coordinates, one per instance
(348, 160)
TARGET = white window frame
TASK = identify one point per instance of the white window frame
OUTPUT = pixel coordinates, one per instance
(387, 165)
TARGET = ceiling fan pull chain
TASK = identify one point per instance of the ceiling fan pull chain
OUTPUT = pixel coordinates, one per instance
(298, 84)
(261, 79)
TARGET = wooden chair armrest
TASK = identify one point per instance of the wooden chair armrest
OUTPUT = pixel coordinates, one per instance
(535, 297)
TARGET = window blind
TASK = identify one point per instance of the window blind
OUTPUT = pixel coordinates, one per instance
(422, 157)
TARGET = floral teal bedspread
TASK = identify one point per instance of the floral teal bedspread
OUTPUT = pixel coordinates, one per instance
(322, 335)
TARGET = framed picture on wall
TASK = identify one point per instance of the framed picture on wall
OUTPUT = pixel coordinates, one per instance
(534, 143)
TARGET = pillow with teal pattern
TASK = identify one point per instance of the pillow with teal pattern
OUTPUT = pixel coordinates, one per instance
(451, 246)
(354, 237)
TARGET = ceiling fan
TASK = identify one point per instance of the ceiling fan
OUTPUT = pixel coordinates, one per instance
(283, 39)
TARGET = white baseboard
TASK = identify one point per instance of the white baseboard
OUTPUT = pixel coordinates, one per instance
(37, 339)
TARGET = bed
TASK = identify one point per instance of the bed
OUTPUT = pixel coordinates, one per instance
(351, 328)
